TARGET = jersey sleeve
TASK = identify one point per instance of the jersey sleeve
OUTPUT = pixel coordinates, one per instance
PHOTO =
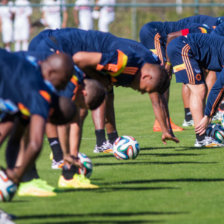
(39, 103)
(215, 96)
(113, 63)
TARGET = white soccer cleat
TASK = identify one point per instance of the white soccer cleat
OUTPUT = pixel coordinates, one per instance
(189, 123)
(7, 187)
(208, 142)
(106, 147)
(57, 165)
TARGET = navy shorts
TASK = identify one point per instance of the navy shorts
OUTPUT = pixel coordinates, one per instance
(151, 36)
(185, 66)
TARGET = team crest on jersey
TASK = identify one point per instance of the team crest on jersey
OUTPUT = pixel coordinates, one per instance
(198, 77)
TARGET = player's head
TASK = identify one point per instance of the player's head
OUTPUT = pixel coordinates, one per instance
(90, 95)
(63, 111)
(58, 69)
(151, 78)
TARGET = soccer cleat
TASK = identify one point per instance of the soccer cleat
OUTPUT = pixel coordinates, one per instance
(57, 165)
(36, 188)
(106, 147)
(77, 182)
(189, 123)
(157, 128)
(6, 218)
(207, 142)
(7, 187)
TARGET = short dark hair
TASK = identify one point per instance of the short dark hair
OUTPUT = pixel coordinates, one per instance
(63, 110)
(164, 80)
(95, 93)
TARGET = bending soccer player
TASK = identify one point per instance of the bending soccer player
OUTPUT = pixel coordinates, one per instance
(139, 58)
(156, 35)
(215, 97)
(29, 104)
(189, 56)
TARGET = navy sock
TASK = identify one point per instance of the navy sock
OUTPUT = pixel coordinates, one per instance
(188, 115)
(100, 137)
(30, 174)
(112, 137)
(56, 149)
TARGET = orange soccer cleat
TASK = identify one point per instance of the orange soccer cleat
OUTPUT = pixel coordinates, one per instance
(157, 128)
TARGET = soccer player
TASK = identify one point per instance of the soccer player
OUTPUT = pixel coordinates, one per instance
(6, 23)
(83, 14)
(139, 69)
(30, 103)
(22, 12)
(51, 14)
(156, 35)
(189, 56)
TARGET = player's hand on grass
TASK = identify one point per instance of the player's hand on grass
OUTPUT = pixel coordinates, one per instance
(202, 126)
(167, 136)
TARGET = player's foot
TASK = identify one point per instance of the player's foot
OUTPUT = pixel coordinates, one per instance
(7, 187)
(57, 165)
(157, 128)
(106, 147)
(36, 188)
(77, 182)
(189, 123)
(6, 218)
(207, 142)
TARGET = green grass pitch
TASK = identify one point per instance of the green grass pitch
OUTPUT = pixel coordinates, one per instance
(172, 183)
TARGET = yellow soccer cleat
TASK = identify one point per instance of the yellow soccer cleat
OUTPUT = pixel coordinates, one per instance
(77, 182)
(36, 188)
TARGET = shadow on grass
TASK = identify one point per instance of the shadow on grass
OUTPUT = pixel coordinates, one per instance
(111, 189)
(105, 222)
(149, 163)
(102, 215)
(170, 154)
(166, 181)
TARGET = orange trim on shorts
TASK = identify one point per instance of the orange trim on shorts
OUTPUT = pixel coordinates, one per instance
(25, 111)
(158, 47)
(187, 63)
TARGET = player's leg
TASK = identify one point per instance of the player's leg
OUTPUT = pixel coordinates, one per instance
(31, 184)
(70, 177)
(52, 135)
(110, 121)
(186, 101)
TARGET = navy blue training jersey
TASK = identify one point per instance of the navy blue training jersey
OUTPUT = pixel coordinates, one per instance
(22, 88)
(72, 40)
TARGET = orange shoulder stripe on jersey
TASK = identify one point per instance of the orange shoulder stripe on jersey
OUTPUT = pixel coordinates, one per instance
(74, 80)
(217, 101)
(213, 27)
(45, 95)
(203, 30)
(25, 111)
(115, 69)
